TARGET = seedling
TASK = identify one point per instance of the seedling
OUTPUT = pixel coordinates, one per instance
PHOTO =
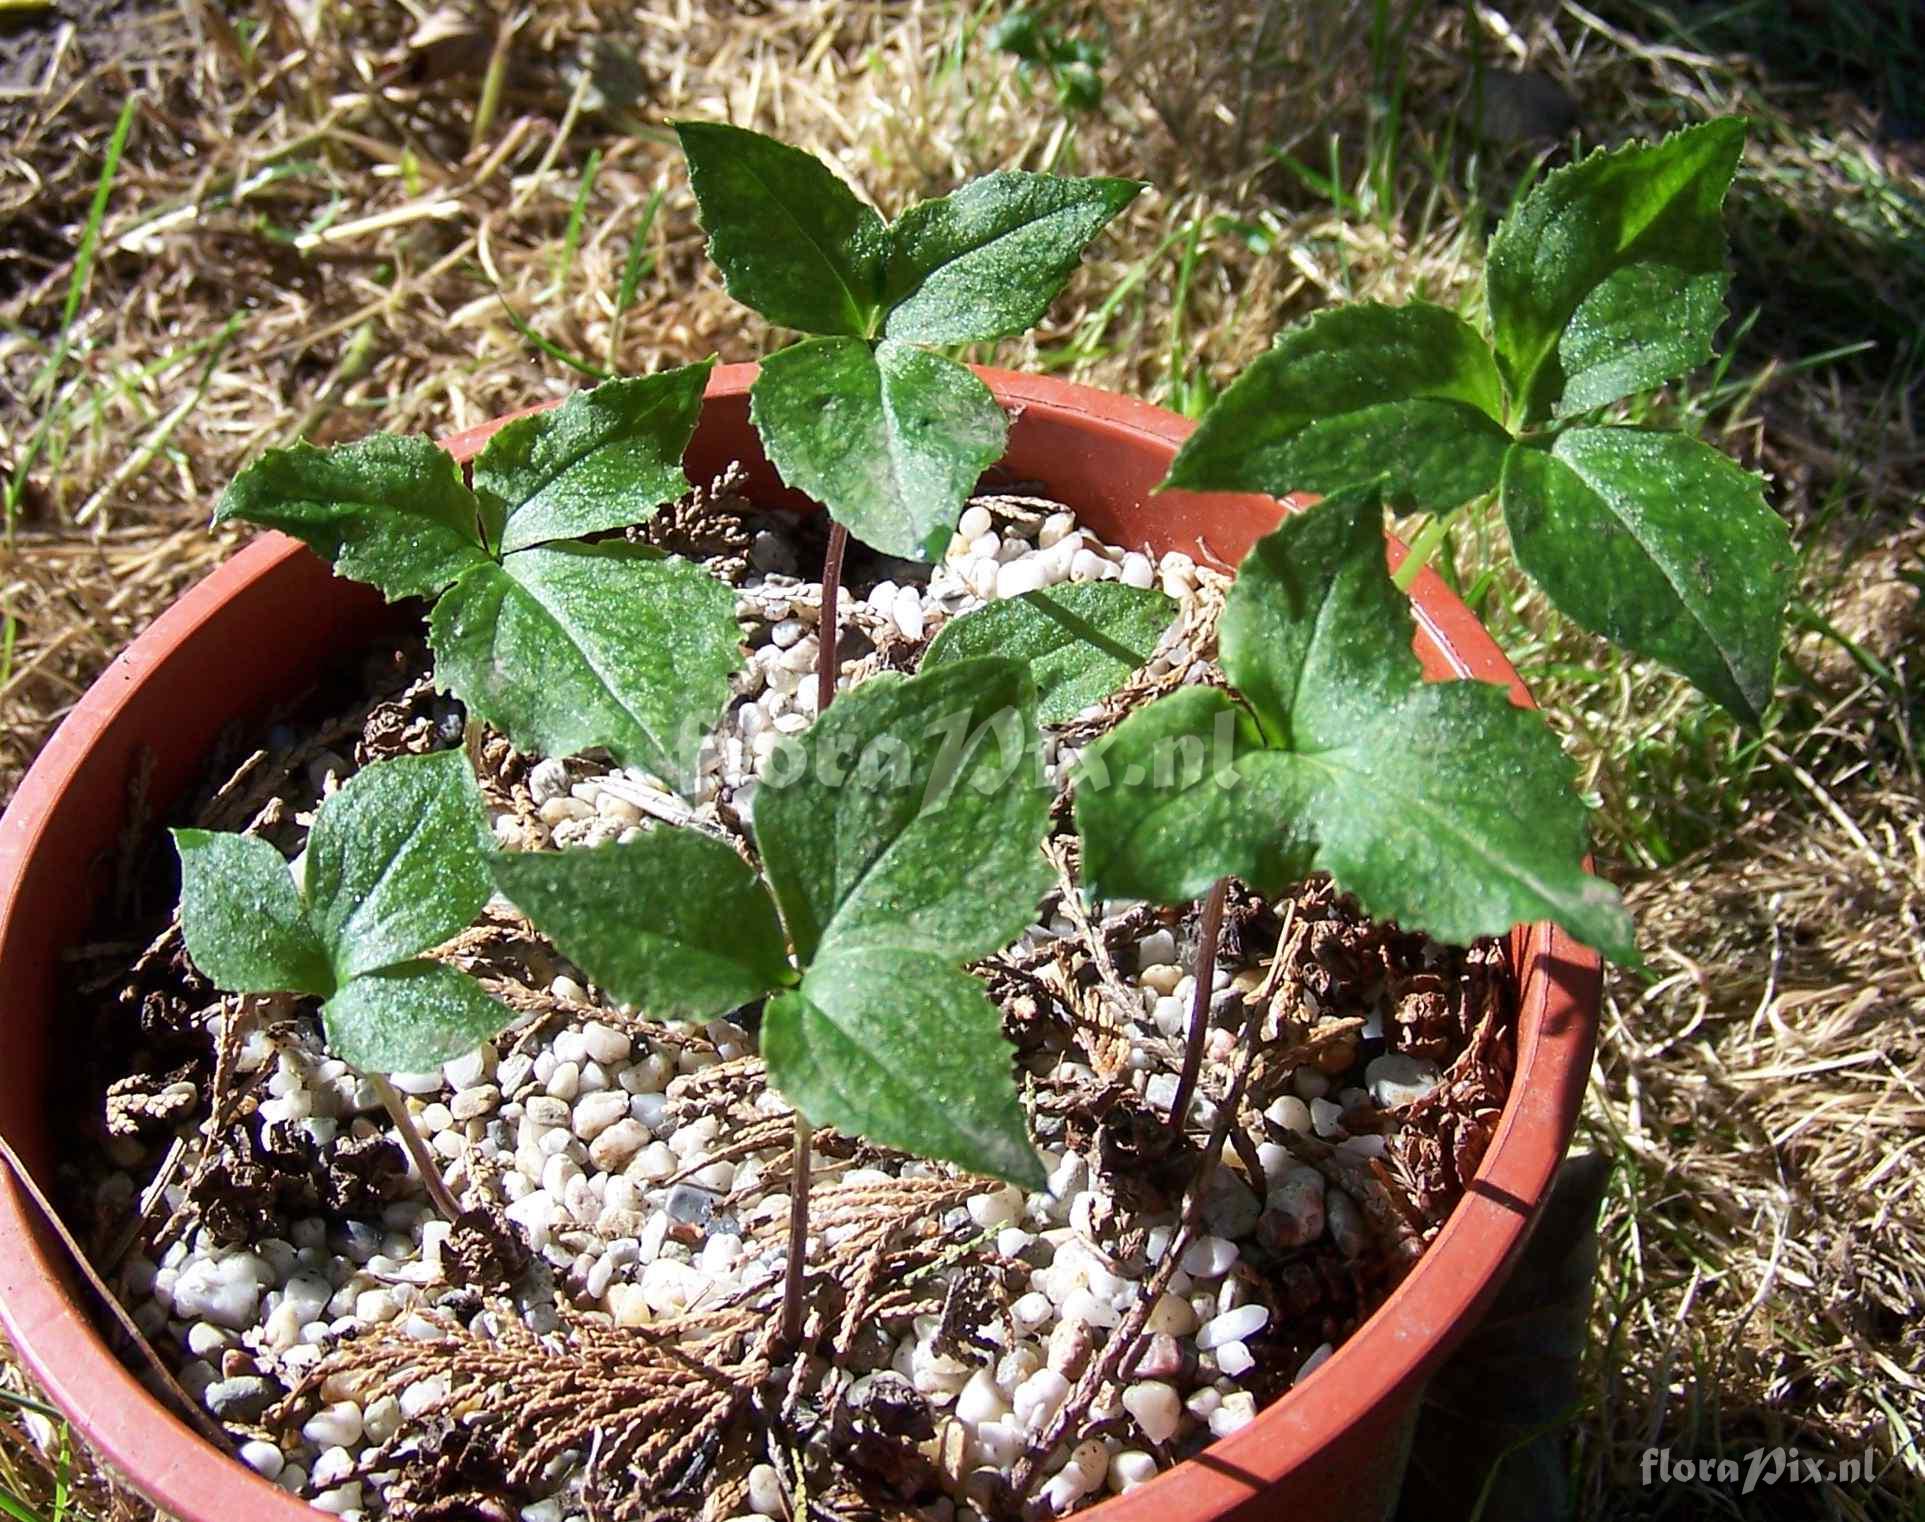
(394, 866)
(1441, 805)
(561, 643)
(1606, 281)
(885, 432)
(903, 844)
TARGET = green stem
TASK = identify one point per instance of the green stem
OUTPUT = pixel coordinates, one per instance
(1422, 547)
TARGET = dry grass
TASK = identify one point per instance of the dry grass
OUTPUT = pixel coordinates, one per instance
(301, 240)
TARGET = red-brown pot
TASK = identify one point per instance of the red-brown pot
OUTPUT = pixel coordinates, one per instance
(272, 615)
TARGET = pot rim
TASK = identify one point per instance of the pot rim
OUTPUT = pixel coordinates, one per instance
(1382, 1362)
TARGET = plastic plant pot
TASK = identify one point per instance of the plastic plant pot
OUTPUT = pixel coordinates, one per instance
(273, 615)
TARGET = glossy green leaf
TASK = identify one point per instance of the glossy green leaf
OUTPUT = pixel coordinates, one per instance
(1409, 395)
(1608, 278)
(674, 922)
(604, 459)
(906, 1050)
(568, 646)
(912, 816)
(1442, 806)
(891, 439)
(1318, 640)
(389, 510)
(395, 863)
(410, 1017)
(1660, 543)
(1183, 792)
(986, 261)
(242, 917)
(790, 238)
(1081, 641)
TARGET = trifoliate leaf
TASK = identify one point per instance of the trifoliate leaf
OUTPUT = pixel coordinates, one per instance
(674, 922)
(891, 439)
(410, 1017)
(790, 238)
(1660, 543)
(567, 646)
(1081, 641)
(910, 815)
(1608, 278)
(1442, 806)
(604, 459)
(394, 862)
(986, 261)
(242, 917)
(906, 1050)
(389, 510)
(1409, 395)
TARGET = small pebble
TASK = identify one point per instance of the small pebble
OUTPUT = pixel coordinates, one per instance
(1397, 1078)
(1156, 1408)
(1233, 1326)
(765, 1491)
(1236, 1411)
(263, 1458)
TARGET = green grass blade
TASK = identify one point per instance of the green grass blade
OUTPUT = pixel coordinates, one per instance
(76, 289)
(572, 237)
(547, 346)
(12, 1506)
(639, 263)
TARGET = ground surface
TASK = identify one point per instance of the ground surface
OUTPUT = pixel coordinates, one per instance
(327, 219)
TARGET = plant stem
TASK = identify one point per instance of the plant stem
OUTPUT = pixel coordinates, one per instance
(798, 1235)
(1422, 547)
(828, 632)
(1205, 969)
(430, 1171)
(828, 629)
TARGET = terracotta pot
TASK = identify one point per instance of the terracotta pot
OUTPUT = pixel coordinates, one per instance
(274, 614)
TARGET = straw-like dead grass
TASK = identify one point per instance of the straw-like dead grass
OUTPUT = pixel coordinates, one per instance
(310, 234)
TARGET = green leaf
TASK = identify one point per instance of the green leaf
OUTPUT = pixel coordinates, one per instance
(1182, 792)
(604, 459)
(1660, 543)
(674, 922)
(1455, 813)
(986, 262)
(890, 440)
(916, 819)
(410, 1017)
(1318, 639)
(1081, 641)
(906, 1050)
(1405, 394)
(388, 510)
(790, 238)
(1609, 277)
(568, 646)
(1442, 806)
(394, 862)
(243, 919)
